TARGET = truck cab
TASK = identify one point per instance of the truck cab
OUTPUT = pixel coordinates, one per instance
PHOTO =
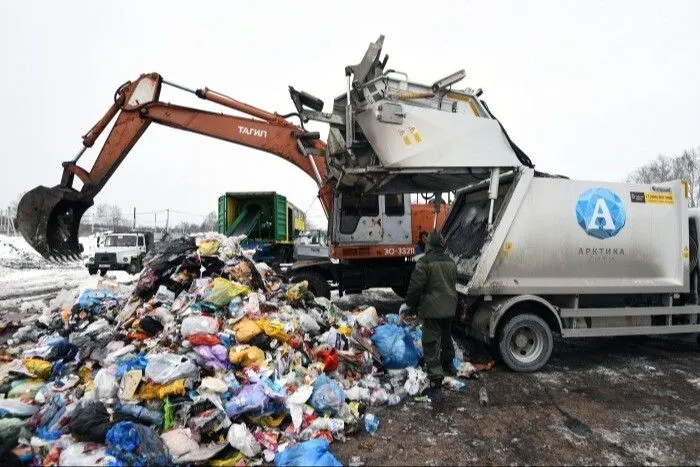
(121, 251)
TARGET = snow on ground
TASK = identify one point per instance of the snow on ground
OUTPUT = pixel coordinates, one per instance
(27, 279)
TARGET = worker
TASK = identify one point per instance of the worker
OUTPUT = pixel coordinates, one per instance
(420, 246)
(432, 295)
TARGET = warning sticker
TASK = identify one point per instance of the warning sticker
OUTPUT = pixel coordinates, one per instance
(415, 134)
(405, 137)
(651, 197)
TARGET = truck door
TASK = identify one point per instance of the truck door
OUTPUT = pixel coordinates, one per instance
(358, 219)
(396, 219)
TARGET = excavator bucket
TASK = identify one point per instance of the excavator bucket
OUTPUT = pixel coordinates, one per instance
(49, 219)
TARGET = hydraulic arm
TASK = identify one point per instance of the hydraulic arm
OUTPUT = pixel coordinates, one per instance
(49, 218)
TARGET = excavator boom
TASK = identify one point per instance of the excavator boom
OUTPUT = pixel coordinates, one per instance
(49, 218)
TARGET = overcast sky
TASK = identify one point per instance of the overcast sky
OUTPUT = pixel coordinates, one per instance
(588, 89)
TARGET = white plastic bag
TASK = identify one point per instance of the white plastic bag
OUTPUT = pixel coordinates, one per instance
(295, 404)
(199, 324)
(308, 324)
(240, 438)
(167, 367)
(106, 386)
(368, 318)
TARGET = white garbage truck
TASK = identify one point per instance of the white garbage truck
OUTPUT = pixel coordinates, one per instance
(537, 254)
(574, 258)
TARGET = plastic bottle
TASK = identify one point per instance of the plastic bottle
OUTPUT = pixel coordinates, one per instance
(483, 396)
(371, 423)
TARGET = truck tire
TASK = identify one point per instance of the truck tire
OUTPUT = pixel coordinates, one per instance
(317, 283)
(134, 268)
(525, 343)
(92, 271)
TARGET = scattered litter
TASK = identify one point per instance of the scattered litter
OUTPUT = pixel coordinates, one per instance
(206, 357)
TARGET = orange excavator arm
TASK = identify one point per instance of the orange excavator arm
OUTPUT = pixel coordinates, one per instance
(49, 218)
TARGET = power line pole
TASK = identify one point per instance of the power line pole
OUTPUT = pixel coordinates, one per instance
(167, 219)
(134, 228)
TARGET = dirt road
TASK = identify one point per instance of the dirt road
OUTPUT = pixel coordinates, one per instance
(598, 401)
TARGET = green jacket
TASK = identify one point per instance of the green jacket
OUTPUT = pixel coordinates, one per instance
(432, 290)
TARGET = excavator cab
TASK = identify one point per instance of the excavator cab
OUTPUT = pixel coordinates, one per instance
(49, 219)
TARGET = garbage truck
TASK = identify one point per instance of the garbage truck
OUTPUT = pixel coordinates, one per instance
(536, 254)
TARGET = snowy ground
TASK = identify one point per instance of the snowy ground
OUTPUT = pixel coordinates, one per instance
(27, 280)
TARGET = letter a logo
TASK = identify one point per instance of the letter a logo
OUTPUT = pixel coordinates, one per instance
(600, 213)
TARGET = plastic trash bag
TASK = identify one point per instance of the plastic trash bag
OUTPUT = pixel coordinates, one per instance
(199, 324)
(416, 381)
(90, 422)
(26, 388)
(179, 441)
(251, 398)
(297, 290)
(150, 391)
(368, 318)
(222, 291)
(417, 338)
(274, 330)
(242, 439)
(92, 300)
(84, 455)
(167, 367)
(395, 346)
(328, 396)
(295, 404)
(245, 356)
(133, 362)
(214, 357)
(209, 247)
(308, 324)
(246, 329)
(309, 453)
(37, 366)
(106, 386)
(136, 444)
(10, 430)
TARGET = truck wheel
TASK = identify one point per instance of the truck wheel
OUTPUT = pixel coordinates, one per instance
(134, 268)
(317, 283)
(103, 272)
(525, 343)
(92, 271)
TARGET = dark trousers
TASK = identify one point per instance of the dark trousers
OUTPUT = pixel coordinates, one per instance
(438, 350)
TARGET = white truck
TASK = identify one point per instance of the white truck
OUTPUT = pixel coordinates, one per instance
(537, 254)
(121, 251)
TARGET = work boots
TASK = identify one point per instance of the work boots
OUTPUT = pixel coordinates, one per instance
(435, 394)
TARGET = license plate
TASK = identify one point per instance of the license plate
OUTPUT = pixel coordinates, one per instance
(104, 265)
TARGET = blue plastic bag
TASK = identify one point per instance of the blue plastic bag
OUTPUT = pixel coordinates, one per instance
(251, 398)
(93, 300)
(136, 444)
(311, 453)
(327, 396)
(417, 336)
(396, 347)
(137, 362)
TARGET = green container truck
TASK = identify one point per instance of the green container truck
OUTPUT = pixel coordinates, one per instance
(268, 220)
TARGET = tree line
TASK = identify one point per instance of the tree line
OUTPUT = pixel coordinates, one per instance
(683, 166)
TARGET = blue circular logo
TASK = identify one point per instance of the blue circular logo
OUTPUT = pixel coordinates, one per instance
(600, 213)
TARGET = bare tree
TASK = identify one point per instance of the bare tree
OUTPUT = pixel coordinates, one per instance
(115, 216)
(665, 168)
(210, 222)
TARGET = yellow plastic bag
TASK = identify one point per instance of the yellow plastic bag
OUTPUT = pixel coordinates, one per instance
(245, 330)
(232, 461)
(345, 330)
(151, 391)
(222, 291)
(246, 356)
(274, 330)
(37, 366)
(209, 247)
(295, 292)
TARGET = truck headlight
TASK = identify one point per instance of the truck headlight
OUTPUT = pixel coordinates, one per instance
(126, 260)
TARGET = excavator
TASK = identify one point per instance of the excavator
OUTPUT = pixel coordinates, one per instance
(377, 232)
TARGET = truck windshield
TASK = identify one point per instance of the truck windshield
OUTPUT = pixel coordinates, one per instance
(121, 240)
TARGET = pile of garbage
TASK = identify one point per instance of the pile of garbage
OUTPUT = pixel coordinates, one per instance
(208, 357)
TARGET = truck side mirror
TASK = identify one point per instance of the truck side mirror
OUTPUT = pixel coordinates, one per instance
(81, 247)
